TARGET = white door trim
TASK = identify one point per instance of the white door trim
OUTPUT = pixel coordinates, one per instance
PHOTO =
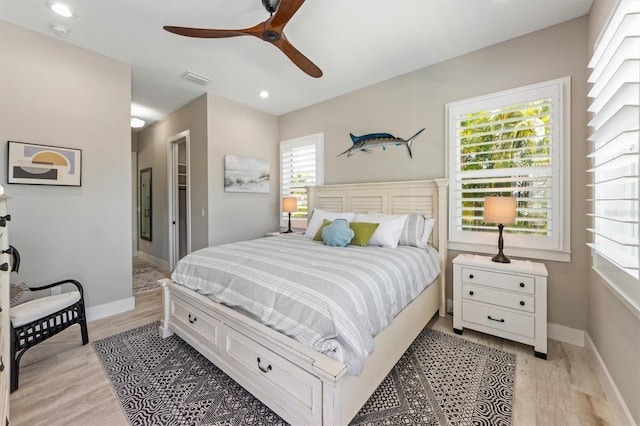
(172, 163)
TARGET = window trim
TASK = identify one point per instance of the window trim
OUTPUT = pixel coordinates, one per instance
(316, 139)
(561, 176)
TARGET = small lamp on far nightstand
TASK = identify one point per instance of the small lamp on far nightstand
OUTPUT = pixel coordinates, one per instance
(289, 204)
(501, 211)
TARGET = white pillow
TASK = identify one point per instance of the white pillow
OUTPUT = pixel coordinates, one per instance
(319, 215)
(417, 231)
(388, 232)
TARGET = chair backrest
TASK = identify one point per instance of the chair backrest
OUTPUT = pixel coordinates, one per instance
(15, 258)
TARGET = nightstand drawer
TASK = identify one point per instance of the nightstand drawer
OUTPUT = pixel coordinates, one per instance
(513, 282)
(500, 319)
(520, 301)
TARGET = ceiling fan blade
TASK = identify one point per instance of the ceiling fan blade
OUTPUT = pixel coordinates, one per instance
(297, 57)
(211, 33)
(286, 10)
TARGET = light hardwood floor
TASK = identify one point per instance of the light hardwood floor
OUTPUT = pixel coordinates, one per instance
(63, 382)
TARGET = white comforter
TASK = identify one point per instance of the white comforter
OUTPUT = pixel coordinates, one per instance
(333, 299)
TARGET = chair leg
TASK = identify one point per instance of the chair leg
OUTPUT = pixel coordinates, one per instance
(84, 331)
(15, 370)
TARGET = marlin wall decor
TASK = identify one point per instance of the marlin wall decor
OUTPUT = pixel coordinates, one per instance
(372, 140)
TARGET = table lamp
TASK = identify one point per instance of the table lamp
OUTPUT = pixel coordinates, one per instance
(501, 211)
(289, 204)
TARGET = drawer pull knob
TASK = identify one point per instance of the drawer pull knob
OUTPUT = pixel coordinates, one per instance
(494, 319)
(471, 276)
(522, 303)
(4, 267)
(264, 370)
(471, 293)
(522, 285)
(192, 319)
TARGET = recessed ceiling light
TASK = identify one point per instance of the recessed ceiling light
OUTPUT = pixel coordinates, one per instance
(61, 9)
(60, 30)
(137, 123)
(264, 94)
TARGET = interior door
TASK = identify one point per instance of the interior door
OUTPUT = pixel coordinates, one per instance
(179, 198)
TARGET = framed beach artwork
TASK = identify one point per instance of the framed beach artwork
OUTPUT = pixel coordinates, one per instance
(33, 164)
(245, 174)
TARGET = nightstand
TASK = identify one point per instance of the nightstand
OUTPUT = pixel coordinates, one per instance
(276, 233)
(508, 300)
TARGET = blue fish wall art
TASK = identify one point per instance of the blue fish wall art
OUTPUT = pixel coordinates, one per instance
(365, 143)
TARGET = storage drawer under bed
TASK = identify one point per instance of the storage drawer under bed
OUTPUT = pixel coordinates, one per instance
(200, 325)
(287, 384)
(258, 369)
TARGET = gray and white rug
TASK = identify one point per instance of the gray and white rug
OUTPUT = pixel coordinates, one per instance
(440, 380)
(145, 280)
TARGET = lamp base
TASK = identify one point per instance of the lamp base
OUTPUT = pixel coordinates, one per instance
(501, 258)
(288, 231)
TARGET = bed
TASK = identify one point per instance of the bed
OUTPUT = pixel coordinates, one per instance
(301, 384)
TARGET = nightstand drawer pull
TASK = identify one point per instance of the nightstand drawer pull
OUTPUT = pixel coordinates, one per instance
(471, 276)
(264, 370)
(522, 285)
(522, 303)
(192, 319)
(496, 320)
(471, 293)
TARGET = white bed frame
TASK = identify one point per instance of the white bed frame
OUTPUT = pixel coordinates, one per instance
(301, 385)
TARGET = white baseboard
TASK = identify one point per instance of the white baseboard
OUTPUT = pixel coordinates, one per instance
(155, 261)
(618, 406)
(565, 334)
(112, 308)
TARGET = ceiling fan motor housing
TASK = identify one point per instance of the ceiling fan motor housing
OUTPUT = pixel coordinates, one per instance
(271, 5)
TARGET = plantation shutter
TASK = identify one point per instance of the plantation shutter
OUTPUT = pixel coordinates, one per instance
(508, 144)
(301, 166)
(614, 151)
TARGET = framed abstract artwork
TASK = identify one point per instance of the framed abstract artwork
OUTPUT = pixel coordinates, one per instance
(33, 164)
(245, 174)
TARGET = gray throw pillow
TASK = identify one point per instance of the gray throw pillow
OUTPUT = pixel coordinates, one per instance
(19, 290)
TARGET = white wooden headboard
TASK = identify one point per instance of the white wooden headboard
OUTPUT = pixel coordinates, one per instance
(428, 197)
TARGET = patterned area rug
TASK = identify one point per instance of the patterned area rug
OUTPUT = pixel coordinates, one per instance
(146, 279)
(440, 380)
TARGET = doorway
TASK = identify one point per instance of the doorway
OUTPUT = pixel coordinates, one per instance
(179, 198)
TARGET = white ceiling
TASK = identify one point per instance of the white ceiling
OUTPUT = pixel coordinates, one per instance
(356, 43)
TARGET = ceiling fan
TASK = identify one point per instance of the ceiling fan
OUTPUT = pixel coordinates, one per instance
(270, 30)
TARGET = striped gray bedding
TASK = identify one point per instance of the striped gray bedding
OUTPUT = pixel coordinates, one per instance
(333, 299)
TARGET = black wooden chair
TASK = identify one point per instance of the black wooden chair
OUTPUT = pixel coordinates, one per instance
(40, 318)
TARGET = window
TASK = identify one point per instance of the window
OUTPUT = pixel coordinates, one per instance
(514, 143)
(301, 164)
(614, 152)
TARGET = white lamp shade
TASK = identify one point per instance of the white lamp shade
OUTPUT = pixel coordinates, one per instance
(500, 210)
(289, 204)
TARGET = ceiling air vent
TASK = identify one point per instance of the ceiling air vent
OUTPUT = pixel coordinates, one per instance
(196, 78)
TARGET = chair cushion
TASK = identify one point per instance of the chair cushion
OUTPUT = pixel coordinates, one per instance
(39, 308)
(19, 291)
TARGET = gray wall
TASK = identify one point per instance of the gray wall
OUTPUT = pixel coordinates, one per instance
(54, 93)
(240, 130)
(153, 150)
(218, 126)
(403, 105)
(613, 328)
